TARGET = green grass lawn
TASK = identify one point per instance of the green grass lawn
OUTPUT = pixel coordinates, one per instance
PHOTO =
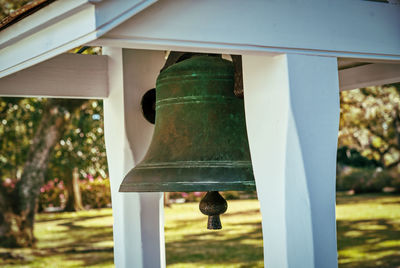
(81, 239)
(368, 231)
(190, 244)
(368, 236)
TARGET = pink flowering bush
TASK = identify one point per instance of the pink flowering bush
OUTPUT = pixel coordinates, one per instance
(52, 194)
(95, 192)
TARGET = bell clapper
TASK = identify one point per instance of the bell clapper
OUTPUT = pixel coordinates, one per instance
(213, 204)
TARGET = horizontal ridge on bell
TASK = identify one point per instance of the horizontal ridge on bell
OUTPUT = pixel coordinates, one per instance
(200, 140)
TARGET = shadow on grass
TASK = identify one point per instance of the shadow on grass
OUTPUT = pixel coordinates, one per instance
(81, 246)
(362, 242)
(74, 218)
(178, 225)
(382, 198)
(375, 242)
(211, 247)
(74, 240)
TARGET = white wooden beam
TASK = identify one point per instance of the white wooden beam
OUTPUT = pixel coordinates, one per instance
(59, 27)
(292, 117)
(44, 40)
(66, 76)
(41, 19)
(338, 28)
(138, 217)
(374, 74)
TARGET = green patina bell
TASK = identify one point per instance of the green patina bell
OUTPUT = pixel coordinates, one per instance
(200, 140)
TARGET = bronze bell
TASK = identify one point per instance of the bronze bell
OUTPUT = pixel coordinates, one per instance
(200, 140)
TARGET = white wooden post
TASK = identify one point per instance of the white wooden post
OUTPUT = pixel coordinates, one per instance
(292, 114)
(138, 218)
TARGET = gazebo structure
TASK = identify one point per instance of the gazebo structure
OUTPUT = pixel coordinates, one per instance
(297, 55)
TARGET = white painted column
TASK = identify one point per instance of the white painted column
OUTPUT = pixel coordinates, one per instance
(138, 218)
(292, 115)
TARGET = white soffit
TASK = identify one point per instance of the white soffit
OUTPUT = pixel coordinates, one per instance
(340, 28)
(67, 76)
(59, 27)
(373, 74)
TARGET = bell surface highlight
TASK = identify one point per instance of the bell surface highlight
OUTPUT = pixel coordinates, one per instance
(200, 140)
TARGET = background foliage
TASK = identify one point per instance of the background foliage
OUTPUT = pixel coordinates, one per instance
(19, 118)
(369, 140)
(82, 145)
(9, 6)
(370, 123)
(95, 194)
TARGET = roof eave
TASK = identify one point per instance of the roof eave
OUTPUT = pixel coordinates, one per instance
(59, 27)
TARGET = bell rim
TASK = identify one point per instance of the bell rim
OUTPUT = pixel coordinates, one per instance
(237, 164)
(189, 179)
(188, 187)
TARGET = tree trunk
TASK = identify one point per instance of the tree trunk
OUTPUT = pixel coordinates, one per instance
(10, 233)
(74, 201)
(167, 201)
(16, 220)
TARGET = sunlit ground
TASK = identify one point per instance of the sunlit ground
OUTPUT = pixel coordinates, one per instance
(238, 244)
(368, 231)
(368, 236)
(80, 239)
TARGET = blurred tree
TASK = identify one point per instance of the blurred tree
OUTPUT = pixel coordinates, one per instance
(18, 202)
(370, 123)
(30, 130)
(81, 152)
(19, 119)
